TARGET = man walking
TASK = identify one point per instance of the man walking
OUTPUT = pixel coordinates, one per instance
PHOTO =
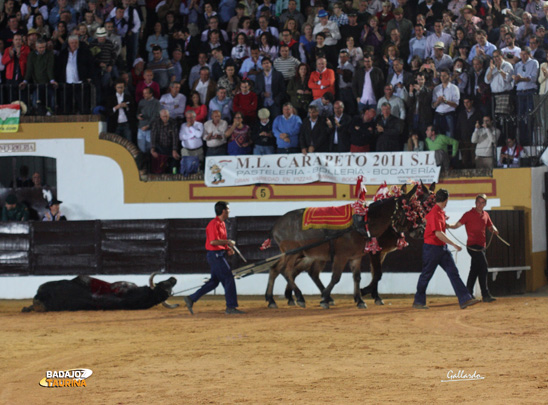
(218, 247)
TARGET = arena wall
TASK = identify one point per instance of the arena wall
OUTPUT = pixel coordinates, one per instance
(98, 179)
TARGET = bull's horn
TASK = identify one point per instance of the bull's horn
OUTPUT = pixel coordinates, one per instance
(152, 285)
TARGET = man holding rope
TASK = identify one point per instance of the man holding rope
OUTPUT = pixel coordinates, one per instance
(218, 247)
(475, 222)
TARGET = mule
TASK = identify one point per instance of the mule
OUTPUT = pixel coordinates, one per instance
(347, 248)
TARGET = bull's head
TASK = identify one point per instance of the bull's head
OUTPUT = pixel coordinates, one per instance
(152, 285)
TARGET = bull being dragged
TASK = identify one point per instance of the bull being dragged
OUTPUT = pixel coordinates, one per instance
(85, 293)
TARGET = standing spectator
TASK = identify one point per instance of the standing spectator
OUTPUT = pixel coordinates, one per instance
(414, 144)
(299, 93)
(286, 128)
(230, 81)
(329, 28)
(214, 134)
(286, 64)
(466, 124)
(131, 15)
(164, 142)
(251, 66)
(537, 52)
(147, 110)
(157, 40)
(397, 105)
(525, 77)
(57, 10)
(417, 44)
(221, 103)
(478, 88)
(499, 77)
(174, 102)
(324, 105)
(40, 65)
(162, 68)
(296, 49)
(15, 61)
(265, 28)
(482, 49)
(420, 113)
(13, 210)
(435, 252)
(440, 144)
(339, 17)
(262, 135)
(345, 73)
(119, 108)
(367, 84)
(475, 222)
(460, 76)
(239, 137)
(388, 130)
(441, 59)
(322, 80)
(196, 105)
(104, 60)
(246, 102)
(195, 70)
(402, 24)
(220, 63)
(205, 86)
(340, 141)
(149, 83)
(437, 36)
(511, 52)
(270, 88)
(362, 131)
(433, 12)
(485, 137)
(373, 36)
(315, 134)
(445, 100)
(191, 135)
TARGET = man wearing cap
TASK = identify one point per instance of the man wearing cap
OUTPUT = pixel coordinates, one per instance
(329, 28)
(475, 222)
(437, 36)
(441, 59)
(435, 253)
(13, 210)
(403, 25)
(53, 213)
(262, 134)
(104, 58)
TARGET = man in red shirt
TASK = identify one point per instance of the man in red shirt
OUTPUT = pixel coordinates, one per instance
(475, 222)
(435, 252)
(218, 247)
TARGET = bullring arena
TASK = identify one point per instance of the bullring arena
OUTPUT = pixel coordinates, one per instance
(488, 353)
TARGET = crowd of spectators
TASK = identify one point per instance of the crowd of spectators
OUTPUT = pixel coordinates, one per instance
(192, 78)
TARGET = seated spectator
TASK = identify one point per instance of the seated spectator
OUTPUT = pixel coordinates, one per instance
(267, 46)
(174, 102)
(221, 103)
(324, 105)
(205, 86)
(511, 153)
(321, 50)
(246, 102)
(413, 144)
(164, 142)
(191, 137)
(244, 27)
(215, 134)
(239, 137)
(147, 110)
(397, 106)
(230, 81)
(196, 105)
(37, 180)
(286, 128)
(321, 80)
(213, 25)
(262, 135)
(315, 134)
(299, 93)
(53, 212)
(147, 82)
(119, 109)
(13, 210)
(388, 130)
(485, 137)
(194, 74)
(265, 28)
(440, 144)
(157, 39)
(296, 49)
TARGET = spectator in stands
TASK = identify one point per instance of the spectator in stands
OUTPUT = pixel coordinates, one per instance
(270, 88)
(196, 105)
(241, 50)
(265, 28)
(230, 80)
(445, 100)
(195, 70)
(205, 86)
(164, 142)
(397, 106)
(56, 11)
(525, 78)
(511, 153)
(213, 25)
(119, 109)
(286, 64)
(414, 144)
(322, 80)
(37, 180)
(178, 64)
(262, 135)
(15, 62)
(252, 66)
(296, 49)
(147, 110)
(485, 137)
(345, 72)
(441, 59)
(149, 83)
(538, 53)
(299, 93)
(221, 103)
(329, 28)
(323, 51)
(174, 102)
(286, 128)
(437, 36)
(340, 139)
(511, 51)
(233, 23)
(483, 49)
(466, 123)
(246, 102)
(13, 210)
(460, 76)
(23, 179)
(104, 63)
(324, 105)
(388, 130)
(40, 64)
(220, 63)
(239, 137)
(214, 134)
(440, 144)
(420, 113)
(162, 68)
(367, 84)
(292, 11)
(315, 133)
(134, 22)
(191, 136)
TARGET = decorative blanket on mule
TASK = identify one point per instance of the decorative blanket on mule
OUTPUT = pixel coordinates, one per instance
(327, 217)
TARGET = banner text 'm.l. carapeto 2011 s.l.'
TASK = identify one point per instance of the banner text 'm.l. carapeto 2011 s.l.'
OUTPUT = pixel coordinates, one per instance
(343, 168)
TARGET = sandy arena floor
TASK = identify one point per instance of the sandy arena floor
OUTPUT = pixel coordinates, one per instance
(389, 354)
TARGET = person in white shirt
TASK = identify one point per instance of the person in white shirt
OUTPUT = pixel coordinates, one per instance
(445, 100)
(499, 77)
(191, 135)
(214, 134)
(174, 102)
(329, 28)
(485, 137)
(511, 52)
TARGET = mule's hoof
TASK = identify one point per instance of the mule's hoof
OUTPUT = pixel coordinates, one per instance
(362, 305)
(324, 305)
(291, 303)
(273, 305)
(302, 304)
(379, 301)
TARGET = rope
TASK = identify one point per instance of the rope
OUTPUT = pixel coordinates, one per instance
(479, 250)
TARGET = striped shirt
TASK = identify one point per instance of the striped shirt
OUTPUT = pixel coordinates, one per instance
(287, 67)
